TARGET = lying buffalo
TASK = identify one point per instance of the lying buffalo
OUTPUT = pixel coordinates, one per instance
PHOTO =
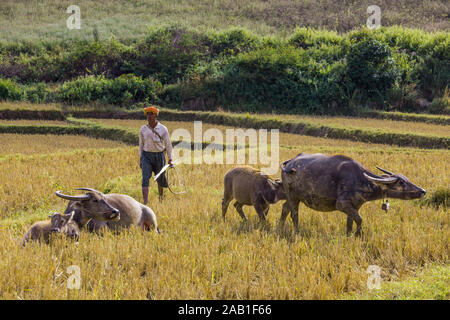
(327, 183)
(58, 223)
(111, 211)
(251, 187)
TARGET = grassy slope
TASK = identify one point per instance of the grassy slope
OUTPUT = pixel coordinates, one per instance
(46, 19)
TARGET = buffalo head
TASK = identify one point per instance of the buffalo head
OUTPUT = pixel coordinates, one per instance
(65, 224)
(396, 185)
(273, 191)
(93, 204)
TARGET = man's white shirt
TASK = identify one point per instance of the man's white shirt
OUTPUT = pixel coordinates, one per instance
(150, 142)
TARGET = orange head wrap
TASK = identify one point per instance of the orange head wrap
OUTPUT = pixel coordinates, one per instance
(152, 110)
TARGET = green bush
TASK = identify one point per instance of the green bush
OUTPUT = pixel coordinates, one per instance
(307, 37)
(440, 105)
(9, 90)
(167, 53)
(371, 70)
(433, 71)
(281, 79)
(232, 42)
(122, 90)
(38, 93)
(96, 58)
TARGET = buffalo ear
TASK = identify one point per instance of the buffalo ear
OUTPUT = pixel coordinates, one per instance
(70, 216)
(52, 214)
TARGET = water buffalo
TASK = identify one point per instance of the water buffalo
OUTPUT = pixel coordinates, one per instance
(58, 223)
(327, 183)
(250, 186)
(112, 211)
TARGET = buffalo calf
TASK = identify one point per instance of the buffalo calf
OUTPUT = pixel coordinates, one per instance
(250, 186)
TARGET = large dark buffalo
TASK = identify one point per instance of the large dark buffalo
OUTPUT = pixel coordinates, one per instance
(327, 183)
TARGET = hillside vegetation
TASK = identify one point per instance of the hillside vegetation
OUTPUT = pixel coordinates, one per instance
(310, 71)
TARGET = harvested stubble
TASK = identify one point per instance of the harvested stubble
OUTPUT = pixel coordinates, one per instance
(199, 256)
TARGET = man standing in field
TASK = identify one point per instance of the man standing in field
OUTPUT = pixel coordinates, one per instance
(153, 141)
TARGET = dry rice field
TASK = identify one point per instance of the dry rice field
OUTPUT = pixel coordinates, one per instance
(198, 256)
(287, 140)
(374, 124)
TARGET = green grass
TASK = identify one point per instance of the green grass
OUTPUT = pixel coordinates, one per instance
(46, 19)
(432, 283)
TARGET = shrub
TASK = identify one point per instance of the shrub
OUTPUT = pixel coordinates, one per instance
(232, 42)
(167, 53)
(38, 93)
(441, 105)
(93, 57)
(280, 79)
(122, 90)
(307, 37)
(433, 71)
(9, 90)
(371, 70)
(403, 97)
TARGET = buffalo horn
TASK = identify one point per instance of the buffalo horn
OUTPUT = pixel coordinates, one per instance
(89, 189)
(74, 198)
(381, 180)
(385, 171)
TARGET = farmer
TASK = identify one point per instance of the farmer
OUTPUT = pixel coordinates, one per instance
(153, 141)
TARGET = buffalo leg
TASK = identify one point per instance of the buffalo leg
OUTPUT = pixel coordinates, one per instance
(294, 213)
(238, 207)
(225, 203)
(349, 224)
(284, 213)
(352, 215)
(261, 208)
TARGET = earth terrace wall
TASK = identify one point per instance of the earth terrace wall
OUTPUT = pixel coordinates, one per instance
(26, 114)
(247, 121)
(95, 130)
(15, 114)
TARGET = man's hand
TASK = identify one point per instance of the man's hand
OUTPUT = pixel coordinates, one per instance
(170, 163)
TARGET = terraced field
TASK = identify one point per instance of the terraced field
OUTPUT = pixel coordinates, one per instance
(46, 144)
(198, 255)
(287, 140)
(375, 124)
